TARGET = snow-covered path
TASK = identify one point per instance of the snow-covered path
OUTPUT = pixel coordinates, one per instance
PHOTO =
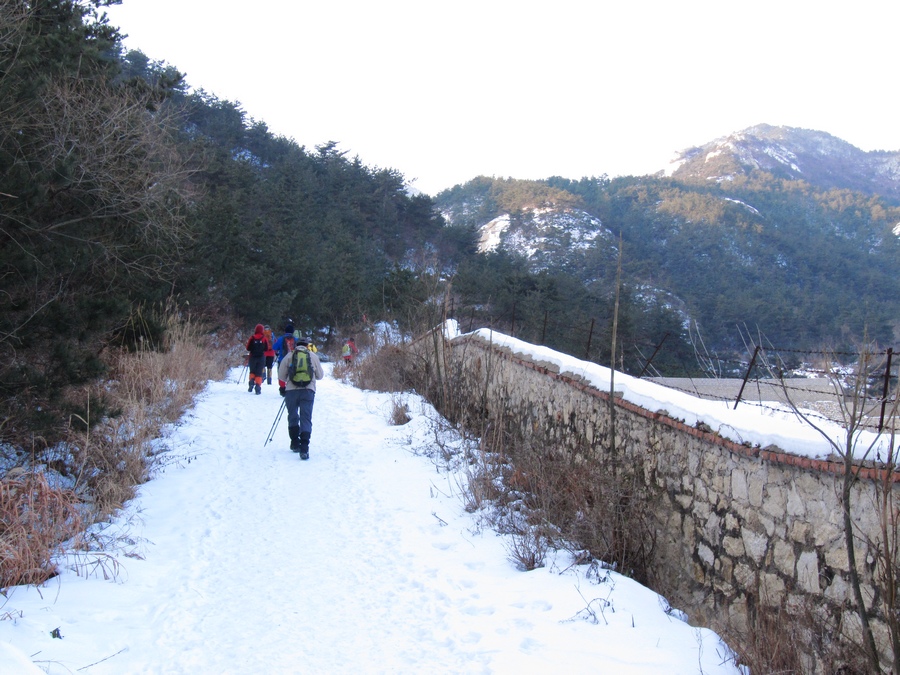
(360, 560)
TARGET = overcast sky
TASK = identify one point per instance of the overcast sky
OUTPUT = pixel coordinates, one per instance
(446, 91)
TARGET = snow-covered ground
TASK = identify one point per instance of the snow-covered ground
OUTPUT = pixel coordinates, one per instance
(245, 559)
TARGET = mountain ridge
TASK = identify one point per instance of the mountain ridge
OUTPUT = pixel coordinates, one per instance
(794, 154)
(789, 231)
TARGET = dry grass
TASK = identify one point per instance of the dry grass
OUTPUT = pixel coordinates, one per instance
(147, 389)
(399, 412)
(772, 643)
(542, 493)
(110, 447)
(35, 518)
(381, 370)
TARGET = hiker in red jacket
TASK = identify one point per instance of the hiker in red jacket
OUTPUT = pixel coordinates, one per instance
(349, 350)
(257, 346)
(270, 353)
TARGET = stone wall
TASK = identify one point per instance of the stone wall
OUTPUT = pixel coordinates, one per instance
(737, 527)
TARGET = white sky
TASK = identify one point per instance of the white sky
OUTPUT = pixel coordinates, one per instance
(444, 92)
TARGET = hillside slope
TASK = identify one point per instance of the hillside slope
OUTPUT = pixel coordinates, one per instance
(782, 232)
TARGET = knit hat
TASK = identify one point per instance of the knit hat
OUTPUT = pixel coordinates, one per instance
(289, 328)
(300, 338)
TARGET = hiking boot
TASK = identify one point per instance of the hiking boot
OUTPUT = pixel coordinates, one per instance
(250, 388)
(270, 380)
(294, 433)
(258, 390)
(304, 444)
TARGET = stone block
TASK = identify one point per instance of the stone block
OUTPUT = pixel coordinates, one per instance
(795, 505)
(808, 572)
(783, 558)
(756, 484)
(744, 576)
(799, 531)
(775, 502)
(836, 557)
(755, 544)
(733, 546)
(726, 569)
(713, 528)
(739, 491)
(838, 590)
(771, 589)
(731, 522)
(768, 524)
(684, 501)
(706, 555)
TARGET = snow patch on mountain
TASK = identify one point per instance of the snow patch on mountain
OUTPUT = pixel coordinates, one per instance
(541, 230)
(744, 204)
(783, 155)
(491, 233)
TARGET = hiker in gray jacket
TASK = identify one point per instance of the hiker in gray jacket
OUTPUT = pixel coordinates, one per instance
(299, 391)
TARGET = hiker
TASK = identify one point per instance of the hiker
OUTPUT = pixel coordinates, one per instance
(257, 346)
(349, 350)
(281, 347)
(299, 397)
(270, 352)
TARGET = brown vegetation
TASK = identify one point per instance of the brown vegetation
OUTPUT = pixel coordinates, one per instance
(49, 495)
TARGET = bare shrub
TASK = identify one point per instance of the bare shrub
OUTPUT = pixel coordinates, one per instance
(575, 498)
(528, 549)
(399, 414)
(35, 518)
(772, 640)
(383, 369)
(483, 481)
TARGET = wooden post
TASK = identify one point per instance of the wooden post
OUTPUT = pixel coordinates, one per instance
(746, 377)
(887, 386)
(587, 349)
(652, 356)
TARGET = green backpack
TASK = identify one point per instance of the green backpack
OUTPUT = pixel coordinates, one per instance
(301, 372)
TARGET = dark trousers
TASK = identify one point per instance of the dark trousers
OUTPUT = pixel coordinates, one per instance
(299, 406)
(257, 366)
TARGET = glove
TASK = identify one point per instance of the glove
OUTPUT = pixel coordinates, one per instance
(281, 390)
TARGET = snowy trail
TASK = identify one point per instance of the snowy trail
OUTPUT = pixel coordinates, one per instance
(358, 560)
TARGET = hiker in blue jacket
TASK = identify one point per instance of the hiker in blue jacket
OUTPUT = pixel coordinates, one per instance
(281, 345)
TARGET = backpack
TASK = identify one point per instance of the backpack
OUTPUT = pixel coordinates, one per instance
(283, 348)
(345, 350)
(301, 372)
(257, 346)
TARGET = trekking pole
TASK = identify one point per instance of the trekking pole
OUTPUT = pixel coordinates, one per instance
(275, 423)
(246, 367)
